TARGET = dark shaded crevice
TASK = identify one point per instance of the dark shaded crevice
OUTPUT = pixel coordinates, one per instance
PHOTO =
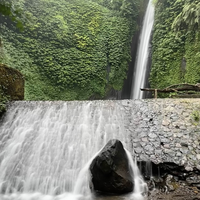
(168, 174)
(126, 90)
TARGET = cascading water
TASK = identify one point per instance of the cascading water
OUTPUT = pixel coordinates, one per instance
(139, 184)
(143, 53)
(44, 146)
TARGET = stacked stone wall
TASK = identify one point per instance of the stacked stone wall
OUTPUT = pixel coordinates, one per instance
(165, 130)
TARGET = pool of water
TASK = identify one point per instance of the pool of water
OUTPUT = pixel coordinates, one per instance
(67, 196)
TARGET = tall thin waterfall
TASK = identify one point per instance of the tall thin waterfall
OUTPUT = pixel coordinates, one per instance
(143, 53)
(44, 146)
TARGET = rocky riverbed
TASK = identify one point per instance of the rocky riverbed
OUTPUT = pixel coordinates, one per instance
(183, 192)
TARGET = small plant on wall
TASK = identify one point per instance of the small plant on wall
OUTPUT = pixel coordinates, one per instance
(195, 117)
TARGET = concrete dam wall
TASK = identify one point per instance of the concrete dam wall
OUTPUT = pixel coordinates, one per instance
(67, 134)
(157, 130)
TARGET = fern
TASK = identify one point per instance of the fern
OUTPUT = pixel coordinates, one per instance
(189, 18)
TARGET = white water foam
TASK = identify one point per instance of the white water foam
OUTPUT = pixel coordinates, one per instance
(44, 146)
(140, 187)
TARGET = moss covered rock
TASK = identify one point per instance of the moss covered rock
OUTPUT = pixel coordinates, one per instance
(11, 83)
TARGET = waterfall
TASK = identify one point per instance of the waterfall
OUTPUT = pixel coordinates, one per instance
(139, 185)
(142, 53)
(46, 147)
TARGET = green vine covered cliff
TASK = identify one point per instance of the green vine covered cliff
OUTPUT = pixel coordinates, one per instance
(73, 49)
(176, 43)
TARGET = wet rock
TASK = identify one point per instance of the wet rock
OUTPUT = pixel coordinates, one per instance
(170, 183)
(110, 170)
(194, 179)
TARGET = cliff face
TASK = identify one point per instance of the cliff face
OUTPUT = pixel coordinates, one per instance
(11, 83)
(176, 43)
(72, 49)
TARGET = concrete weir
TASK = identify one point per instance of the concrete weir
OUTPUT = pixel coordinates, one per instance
(57, 138)
(157, 130)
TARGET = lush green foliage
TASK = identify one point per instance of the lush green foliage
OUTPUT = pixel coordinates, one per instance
(176, 46)
(189, 18)
(3, 100)
(14, 10)
(73, 49)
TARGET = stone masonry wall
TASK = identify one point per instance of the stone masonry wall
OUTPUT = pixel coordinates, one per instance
(165, 130)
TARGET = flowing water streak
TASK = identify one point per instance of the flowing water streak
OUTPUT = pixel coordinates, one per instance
(143, 53)
(82, 186)
(140, 187)
(44, 145)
